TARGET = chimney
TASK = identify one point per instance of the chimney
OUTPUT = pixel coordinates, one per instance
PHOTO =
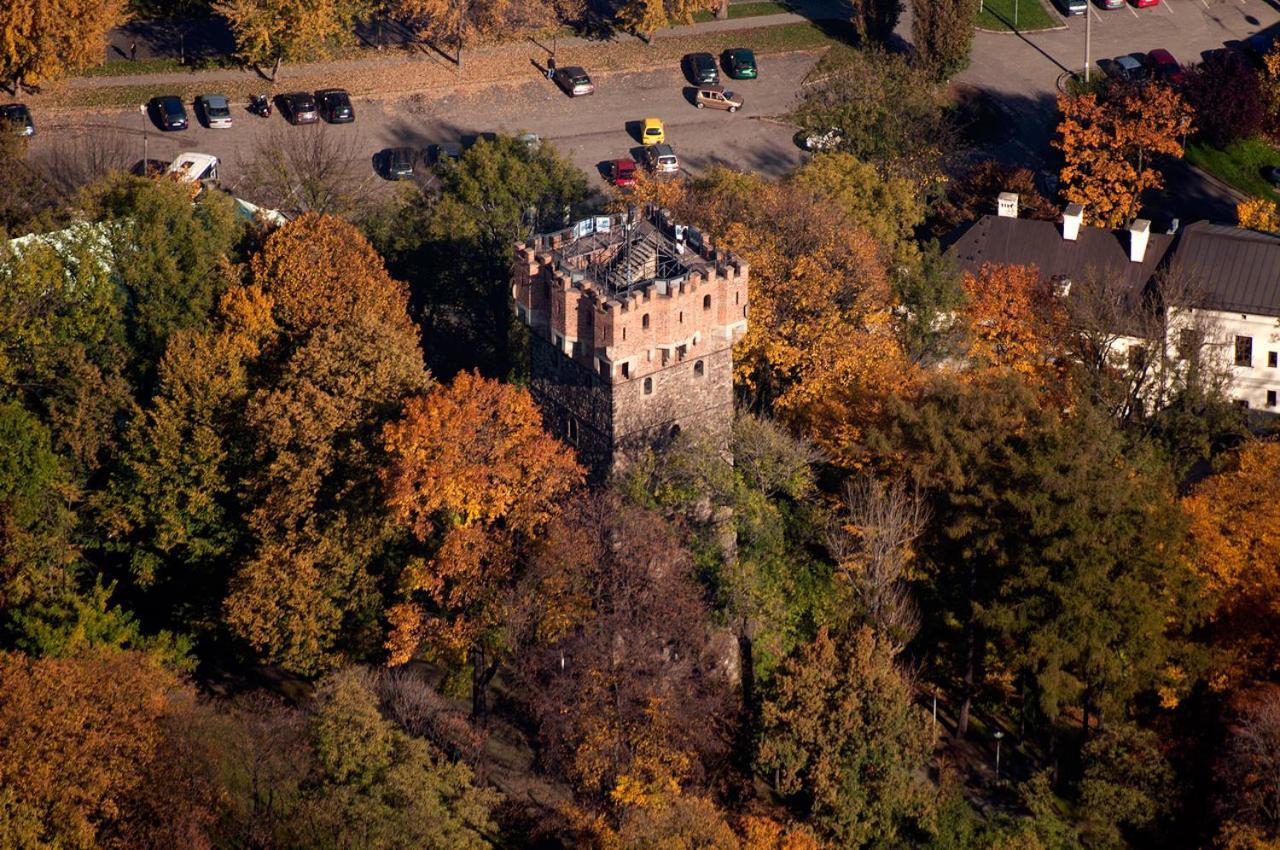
(1072, 216)
(1139, 232)
(1007, 204)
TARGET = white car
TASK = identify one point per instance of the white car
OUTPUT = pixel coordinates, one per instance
(215, 110)
(662, 159)
(821, 140)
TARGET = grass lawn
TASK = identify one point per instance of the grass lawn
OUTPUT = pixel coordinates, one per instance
(1239, 165)
(123, 67)
(998, 15)
(744, 10)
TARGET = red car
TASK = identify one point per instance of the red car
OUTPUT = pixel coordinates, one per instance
(1165, 67)
(1141, 3)
(622, 172)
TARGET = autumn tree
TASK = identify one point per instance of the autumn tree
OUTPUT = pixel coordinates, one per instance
(942, 32)
(43, 41)
(1258, 214)
(446, 21)
(1223, 120)
(844, 742)
(269, 32)
(1250, 769)
(629, 693)
(1234, 527)
(1015, 322)
(473, 477)
(1110, 146)
(78, 739)
(973, 195)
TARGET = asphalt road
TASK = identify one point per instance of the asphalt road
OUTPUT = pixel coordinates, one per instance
(589, 130)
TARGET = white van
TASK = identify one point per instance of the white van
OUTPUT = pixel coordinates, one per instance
(194, 167)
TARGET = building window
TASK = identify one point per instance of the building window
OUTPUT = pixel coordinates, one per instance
(706, 302)
(571, 430)
(744, 311)
(682, 317)
(1189, 342)
(1271, 359)
(648, 386)
(698, 369)
(626, 371)
(624, 334)
(644, 321)
(1242, 403)
(736, 297)
(1244, 351)
(604, 369)
(577, 348)
(1271, 398)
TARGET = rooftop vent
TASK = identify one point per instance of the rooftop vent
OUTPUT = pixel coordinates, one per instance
(1007, 204)
(1139, 233)
(1072, 217)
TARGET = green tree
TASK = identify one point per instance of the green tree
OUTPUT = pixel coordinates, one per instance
(887, 111)
(172, 256)
(376, 787)
(875, 20)
(1128, 785)
(456, 254)
(845, 742)
(942, 31)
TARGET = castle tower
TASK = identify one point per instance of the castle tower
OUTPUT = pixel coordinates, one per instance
(632, 320)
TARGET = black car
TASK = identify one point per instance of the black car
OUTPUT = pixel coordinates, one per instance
(17, 118)
(443, 152)
(397, 163)
(701, 69)
(1272, 175)
(300, 108)
(169, 113)
(470, 141)
(335, 106)
(574, 81)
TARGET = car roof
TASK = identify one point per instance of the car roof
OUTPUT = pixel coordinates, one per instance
(168, 98)
(741, 51)
(574, 70)
(1161, 55)
(651, 121)
(218, 99)
(299, 94)
(702, 56)
(625, 162)
(15, 107)
(1127, 62)
(662, 150)
(719, 89)
(331, 91)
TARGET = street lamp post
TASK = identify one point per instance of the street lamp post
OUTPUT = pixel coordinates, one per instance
(1088, 41)
(998, 736)
(142, 109)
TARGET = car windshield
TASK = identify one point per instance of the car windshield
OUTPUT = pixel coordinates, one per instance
(580, 80)
(304, 102)
(171, 106)
(217, 106)
(653, 131)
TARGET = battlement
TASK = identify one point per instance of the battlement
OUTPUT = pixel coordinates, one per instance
(631, 293)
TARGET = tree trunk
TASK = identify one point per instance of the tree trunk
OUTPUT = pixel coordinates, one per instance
(970, 663)
(275, 69)
(482, 674)
(746, 737)
(722, 10)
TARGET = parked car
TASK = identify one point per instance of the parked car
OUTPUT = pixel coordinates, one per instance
(652, 132)
(701, 69)
(740, 63)
(717, 98)
(1111, 4)
(397, 163)
(574, 81)
(1073, 7)
(470, 141)
(1163, 66)
(820, 140)
(214, 110)
(168, 111)
(1259, 45)
(1272, 175)
(17, 118)
(192, 167)
(300, 108)
(622, 172)
(335, 106)
(662, 159)
(443, 152)
(1128, 68)
(1141, 4)
(531, 141)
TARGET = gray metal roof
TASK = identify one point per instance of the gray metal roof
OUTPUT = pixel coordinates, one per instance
(1231, 269)
(1096, 255)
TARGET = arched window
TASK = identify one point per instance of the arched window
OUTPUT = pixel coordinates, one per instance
(571, 430)
(644, 320)
(698, 369)
(648, 386)
(706, 302)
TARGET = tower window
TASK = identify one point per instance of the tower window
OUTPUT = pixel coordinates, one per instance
(1271, 398)
(644, 320)
(736, 297)
(624, 334)
(1244, 351)
(604, 369)
(706, 302)
(682, 317)
(626, 371)
(648, 386)
(571, 430)
(699, 369)
(1271, 359)
(744, 311)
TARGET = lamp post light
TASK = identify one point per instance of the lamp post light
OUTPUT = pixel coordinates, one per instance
(998, 735)
(142, 109)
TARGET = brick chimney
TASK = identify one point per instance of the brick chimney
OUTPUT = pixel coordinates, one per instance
(1072, 217)
(1007, 204)
(1139, 232)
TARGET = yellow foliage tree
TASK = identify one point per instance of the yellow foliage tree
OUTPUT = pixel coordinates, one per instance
(1269, 83)
(1235, 527)
(274, 31)
(40, 39)
(1109, 146)
(1015, 323)
(1258, 214)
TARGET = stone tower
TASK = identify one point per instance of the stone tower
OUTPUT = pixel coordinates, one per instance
(632, 319)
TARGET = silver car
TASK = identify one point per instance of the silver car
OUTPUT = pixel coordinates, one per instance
(215, 110)
(662, 159)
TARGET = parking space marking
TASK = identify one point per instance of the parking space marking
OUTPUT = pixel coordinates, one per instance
(1132, 11)
(1167, 7)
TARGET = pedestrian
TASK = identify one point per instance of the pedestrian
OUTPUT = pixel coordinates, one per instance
(133, 51)
(551, 68)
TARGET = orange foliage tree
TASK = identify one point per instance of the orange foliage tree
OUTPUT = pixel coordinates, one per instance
(1109, 145)
(1258, 214)
(1235, 526)
(1015, 323)
(473, 476)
